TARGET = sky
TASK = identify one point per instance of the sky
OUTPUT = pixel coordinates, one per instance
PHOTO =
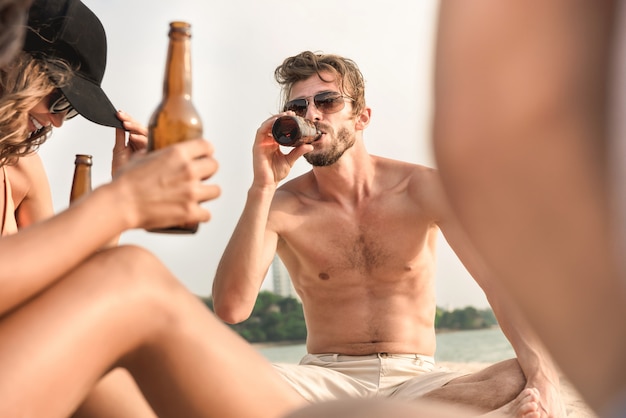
(236, 45)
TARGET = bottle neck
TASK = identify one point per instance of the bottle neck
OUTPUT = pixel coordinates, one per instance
(81, 184)
(177, 81)
(83, 177)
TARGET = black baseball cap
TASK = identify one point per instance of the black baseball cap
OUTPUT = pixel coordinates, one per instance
(68, 30)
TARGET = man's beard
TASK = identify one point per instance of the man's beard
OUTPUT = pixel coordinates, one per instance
(324, 158)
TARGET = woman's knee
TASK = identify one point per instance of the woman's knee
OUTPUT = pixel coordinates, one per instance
(130, 263)
(133, 274)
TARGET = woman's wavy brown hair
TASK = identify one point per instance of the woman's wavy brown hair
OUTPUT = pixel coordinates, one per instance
(302, 66)
(24, 82)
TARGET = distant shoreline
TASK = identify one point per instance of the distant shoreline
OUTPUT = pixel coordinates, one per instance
(278, 343)
(446, 330)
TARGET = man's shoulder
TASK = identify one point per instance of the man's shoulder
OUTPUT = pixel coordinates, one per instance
(394, 163)
(296, 184)
(421, 183)
(293, 190)
(416, 174)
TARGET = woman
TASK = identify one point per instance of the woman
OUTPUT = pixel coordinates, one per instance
(26, 196)
(70, 313)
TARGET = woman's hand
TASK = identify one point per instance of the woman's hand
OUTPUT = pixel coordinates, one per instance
(168, 186)
(123, 149)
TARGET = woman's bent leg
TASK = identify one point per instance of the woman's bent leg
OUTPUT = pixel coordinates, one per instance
(115, 395)
(123, 308)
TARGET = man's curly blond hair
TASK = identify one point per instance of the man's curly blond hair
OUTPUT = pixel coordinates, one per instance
(306, 64)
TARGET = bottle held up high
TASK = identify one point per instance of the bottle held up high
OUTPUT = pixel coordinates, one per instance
(176, 118)
(292, 131)
(81, 183)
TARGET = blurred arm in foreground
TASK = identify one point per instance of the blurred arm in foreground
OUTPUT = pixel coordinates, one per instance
(521, 139)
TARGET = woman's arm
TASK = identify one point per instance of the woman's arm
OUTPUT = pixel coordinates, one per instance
(151, 191)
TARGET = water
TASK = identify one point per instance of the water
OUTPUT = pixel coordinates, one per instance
(482, 346)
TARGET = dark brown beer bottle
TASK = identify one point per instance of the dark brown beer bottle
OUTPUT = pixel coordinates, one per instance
(292, 131)
(81, 183)
(176, 118)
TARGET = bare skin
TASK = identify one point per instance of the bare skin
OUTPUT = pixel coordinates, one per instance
(122, 308)
(116, 394)
(358, 239)
(525, 405)
(31, 192)
(521, 133)
(376, 408)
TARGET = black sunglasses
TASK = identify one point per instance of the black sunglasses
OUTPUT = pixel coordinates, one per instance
(326, 102)
(60, 104)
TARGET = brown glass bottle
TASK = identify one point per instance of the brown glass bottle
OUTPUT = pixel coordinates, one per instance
(81, 183)
(176, 118)
(292, 131)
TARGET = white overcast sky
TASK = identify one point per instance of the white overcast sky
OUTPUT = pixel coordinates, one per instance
(236, 46)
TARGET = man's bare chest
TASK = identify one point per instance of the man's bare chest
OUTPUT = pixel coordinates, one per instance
(364, 244)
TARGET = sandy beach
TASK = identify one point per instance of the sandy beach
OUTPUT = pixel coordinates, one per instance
(575, 406)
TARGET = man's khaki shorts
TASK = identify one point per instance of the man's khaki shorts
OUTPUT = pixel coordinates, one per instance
(323, 377)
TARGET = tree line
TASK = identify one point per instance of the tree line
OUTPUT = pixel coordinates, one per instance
(277, 318)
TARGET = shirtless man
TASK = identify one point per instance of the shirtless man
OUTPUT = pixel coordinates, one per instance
(357, 235)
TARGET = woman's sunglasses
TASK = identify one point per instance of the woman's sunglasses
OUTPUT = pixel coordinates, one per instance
(326, 102)
(60, 104)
